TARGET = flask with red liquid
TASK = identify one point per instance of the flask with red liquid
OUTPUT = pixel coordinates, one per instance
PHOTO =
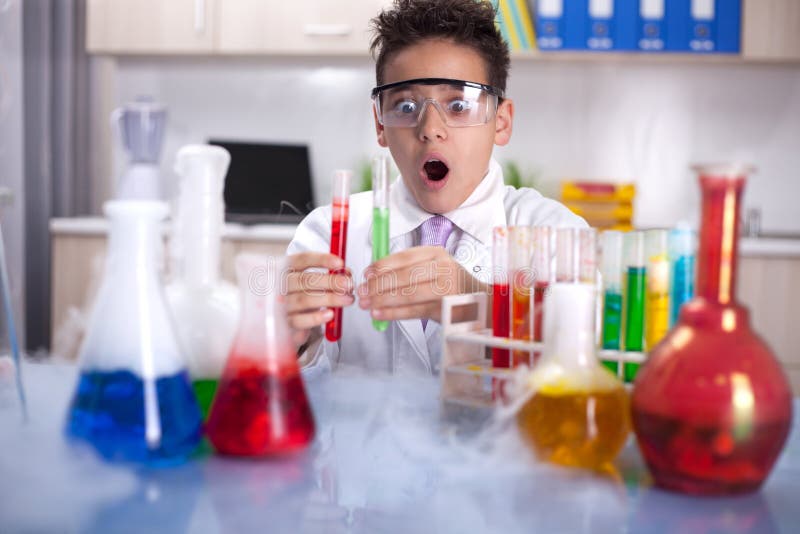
(261, 406)
(711, 406)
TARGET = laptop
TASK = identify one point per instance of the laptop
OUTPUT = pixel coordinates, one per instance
(267, 183)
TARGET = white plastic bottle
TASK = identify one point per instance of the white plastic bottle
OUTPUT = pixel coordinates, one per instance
(204, 307)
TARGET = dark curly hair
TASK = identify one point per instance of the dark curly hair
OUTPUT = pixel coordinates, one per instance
(466, 22)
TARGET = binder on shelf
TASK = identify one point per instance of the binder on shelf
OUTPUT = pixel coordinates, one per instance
(560, 24)
(703, 26)
(516, 24)
(600, 25)
(652, 26)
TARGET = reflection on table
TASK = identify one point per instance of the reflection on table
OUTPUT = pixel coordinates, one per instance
(387, 458)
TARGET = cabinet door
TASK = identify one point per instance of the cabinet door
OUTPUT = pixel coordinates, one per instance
(296, 27)
(771, 29)
(150, 26)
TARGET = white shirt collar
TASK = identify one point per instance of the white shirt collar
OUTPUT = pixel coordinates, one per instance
(477, 216)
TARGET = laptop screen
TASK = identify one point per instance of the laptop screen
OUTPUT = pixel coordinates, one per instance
(267, 179)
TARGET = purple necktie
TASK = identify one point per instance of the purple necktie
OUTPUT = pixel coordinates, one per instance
(434, 232)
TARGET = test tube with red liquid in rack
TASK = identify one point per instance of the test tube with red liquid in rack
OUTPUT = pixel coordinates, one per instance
(501, 300)
(340, 209)
(542, 275)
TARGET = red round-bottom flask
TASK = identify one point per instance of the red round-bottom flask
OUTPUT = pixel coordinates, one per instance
(712, 407)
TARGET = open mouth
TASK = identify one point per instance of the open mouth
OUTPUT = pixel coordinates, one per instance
(435, 170)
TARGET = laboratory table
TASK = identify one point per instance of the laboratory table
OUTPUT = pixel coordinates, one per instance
(387, 458)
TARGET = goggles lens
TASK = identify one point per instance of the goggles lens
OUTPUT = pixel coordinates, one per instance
(459, 103)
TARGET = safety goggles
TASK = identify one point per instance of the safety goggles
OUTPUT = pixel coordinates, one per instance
(460, 103)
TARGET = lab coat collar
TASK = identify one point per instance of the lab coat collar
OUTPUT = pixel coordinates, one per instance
(477, 216)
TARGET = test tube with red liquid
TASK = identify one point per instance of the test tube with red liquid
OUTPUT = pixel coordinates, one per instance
(340, 208)
(542, 275)
(501, 303)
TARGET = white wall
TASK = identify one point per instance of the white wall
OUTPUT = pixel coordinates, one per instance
(614, 120)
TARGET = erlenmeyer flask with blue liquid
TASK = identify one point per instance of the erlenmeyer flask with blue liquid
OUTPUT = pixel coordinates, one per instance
(134, 401)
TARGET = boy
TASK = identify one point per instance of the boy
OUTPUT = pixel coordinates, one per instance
(439, 107)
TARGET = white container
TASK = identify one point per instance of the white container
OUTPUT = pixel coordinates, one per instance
(205, 308)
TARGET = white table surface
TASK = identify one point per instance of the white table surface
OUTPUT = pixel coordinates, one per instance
(386, 459)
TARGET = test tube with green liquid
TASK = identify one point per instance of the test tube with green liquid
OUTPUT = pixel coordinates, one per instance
(380, 218)
(635, 286)
(611, 269)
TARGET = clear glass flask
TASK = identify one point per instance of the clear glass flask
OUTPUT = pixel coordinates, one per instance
(578, 412)
(261, 407)
(205, 307)
(712, 406)
(133, 401)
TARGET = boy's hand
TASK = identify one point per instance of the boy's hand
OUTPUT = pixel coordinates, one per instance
(410, 284)
(312, 293)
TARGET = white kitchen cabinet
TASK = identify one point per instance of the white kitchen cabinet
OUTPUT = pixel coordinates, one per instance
(150, 26)
(299, 27)
(771, 30)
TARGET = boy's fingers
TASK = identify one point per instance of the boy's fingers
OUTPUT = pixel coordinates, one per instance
(307, 260)
(416, 311)
(319, 282)
(426, 272)
(407, 258)
(306, 302)
(308, 320)
(408, 296)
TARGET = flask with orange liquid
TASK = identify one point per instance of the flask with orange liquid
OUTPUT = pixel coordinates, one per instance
(578, 412)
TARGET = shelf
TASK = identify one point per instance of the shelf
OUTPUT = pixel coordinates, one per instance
(653, 58)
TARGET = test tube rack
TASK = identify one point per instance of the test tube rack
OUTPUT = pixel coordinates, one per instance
(467, 376)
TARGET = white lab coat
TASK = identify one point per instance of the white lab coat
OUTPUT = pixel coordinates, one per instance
(405, 347)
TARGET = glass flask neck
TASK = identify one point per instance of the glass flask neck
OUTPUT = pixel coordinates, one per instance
(135, 238)
(719, 237)
(263, 330)
(197, 230)
(569, 325)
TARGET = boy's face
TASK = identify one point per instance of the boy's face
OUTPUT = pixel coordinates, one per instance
(441, 165)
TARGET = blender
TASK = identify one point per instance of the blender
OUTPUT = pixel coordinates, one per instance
(140, 126)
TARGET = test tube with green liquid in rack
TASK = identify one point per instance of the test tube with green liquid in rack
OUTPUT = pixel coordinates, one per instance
(611, 269)
(380, 218)
(635, 285)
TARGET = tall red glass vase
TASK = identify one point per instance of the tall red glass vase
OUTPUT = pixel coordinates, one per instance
(712, 407)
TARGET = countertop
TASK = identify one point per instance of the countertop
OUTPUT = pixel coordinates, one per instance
(97, 226)
(387, 458)
(748, 246)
